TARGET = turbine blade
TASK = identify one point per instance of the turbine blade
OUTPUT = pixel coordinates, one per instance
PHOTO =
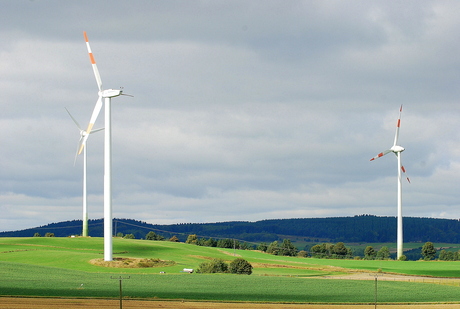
(97, 130)
(404, 171)
(83, 143)
(78, 147)
(93, 63)
(75, 121)
(398, 124)
(96, 111)
(380, 154)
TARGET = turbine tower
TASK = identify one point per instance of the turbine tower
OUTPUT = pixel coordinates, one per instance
(106, 94)
(83, 133)
(396, 149)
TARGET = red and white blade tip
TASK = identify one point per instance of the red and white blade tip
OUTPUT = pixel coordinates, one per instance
(91, 56)
(93, 63)
(380, 155)
(404, 171)
(377, 156)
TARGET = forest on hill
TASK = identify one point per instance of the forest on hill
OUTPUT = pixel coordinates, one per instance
(362, 228)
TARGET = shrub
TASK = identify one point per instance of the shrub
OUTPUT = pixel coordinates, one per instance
(151, 236)
(273, 248)
(383, 253)
(240, 266)
(174, 239)
(302, 253)
(262, 247)
(212, 266)
(288, 249)
(227, 243)
(191, 239)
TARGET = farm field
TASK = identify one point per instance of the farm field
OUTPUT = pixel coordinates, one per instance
(60, 267)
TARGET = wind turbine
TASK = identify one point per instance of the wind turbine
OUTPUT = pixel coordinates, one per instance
(396, 149)
(83, 133)
(106, 94)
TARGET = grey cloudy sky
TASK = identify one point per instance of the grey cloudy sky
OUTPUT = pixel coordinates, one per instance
(242, 110)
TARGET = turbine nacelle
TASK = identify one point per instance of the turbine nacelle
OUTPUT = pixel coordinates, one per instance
(110, 93)
(397, 148)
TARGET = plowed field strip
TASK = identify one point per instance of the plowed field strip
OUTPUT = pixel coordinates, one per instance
(50, 303)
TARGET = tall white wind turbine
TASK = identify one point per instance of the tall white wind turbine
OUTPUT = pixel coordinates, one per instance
(396, 149)
(85, 198)
(106, 95)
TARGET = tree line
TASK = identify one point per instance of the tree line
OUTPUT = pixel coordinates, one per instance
(363, 228)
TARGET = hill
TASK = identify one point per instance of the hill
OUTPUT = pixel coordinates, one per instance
(363, 228)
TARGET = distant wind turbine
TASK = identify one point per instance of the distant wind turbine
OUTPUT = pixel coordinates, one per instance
(107, 95)
(85, 199)
(396, 149)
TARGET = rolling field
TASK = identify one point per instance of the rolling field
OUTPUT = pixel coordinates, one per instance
(59, 267)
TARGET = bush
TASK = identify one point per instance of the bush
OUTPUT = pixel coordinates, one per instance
(383, 254)
(262, 247)
(174, 239)
(212, 266)
(273, 248)
(240, 266)
(191, 239)
(288, 249)
(151, 236)
(302, 253)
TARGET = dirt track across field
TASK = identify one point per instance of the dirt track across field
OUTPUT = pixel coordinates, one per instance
(50, 303)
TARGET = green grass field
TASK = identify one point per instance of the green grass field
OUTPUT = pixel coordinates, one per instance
(60, 267)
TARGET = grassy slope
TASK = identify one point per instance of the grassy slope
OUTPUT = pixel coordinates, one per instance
(58, 267)
(74, 253)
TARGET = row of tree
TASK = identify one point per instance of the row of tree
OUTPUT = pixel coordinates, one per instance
(221, 243)
(429, 253)
(46, 235)
(371, 254)
(286, 248)
(150, 236)
(363, 228)
(335, 251)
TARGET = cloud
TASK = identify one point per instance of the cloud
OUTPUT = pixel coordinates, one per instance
(241, 111)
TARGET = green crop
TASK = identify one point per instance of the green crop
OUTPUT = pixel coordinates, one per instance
(61, 267)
